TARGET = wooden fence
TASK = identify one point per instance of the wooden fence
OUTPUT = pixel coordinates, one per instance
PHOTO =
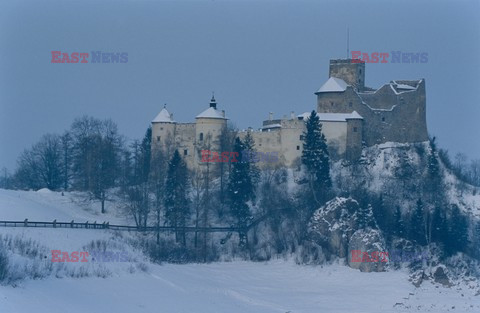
(107, 225)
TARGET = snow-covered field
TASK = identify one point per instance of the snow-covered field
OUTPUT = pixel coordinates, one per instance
(275, 286)
(45, 205)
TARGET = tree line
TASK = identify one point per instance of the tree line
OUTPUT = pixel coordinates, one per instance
(155, 187)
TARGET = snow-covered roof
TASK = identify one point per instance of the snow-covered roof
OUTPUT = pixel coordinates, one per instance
(272, 126)
(163, 117)
(407, 87)
(211, 113)
(354, 116)
(333, 117)
(401, 88)
(304, 116)
(333, 84)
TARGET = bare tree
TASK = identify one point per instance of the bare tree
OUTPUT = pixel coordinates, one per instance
(158, 171)
(41, 166)
(226, 141)
(67, 159)
(96, 156)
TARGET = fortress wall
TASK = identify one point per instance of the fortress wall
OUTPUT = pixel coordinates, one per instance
(399, 118)
(336, 135)
(185, 140)
(292, 145)
(354, 139)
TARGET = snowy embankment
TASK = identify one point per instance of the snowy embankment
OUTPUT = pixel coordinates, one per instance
(276, 286)
(45, 206)
(396, 169)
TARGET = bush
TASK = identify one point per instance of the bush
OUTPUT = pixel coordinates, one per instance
(3, 262)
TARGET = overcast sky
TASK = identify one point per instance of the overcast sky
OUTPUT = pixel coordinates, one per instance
(257, 56)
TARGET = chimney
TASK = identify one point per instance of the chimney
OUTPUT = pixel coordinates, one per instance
(223, 113)
(270, 116)
(292, 115)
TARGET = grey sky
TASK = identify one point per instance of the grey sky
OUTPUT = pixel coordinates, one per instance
(257, 57)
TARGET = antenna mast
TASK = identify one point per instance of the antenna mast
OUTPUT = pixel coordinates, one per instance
(348, 42)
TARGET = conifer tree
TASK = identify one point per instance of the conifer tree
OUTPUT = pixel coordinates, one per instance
(249, 145)
(417, 224)
(434, 176)
(439, 226)
(399, 224)
(240, 190)
(365, 217)
(176, 200)
(476, 239)
(315, 157)
(433, 164)
(458, 231)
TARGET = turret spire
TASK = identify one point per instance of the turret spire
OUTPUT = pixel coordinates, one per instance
(213, 102)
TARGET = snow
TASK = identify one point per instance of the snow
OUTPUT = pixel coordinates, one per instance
(163, 117)
(382, 160)
(278, 286)
(272, 126)
(211, 113)
(333, 84)
(45, 205)
(354, 116)
(332, 117)
(338, 117)
(403, 86)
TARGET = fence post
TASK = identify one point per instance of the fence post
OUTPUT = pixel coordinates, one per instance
(25, 223)
(95, 225)
(86, 224)
(71, 224)
(55, 223)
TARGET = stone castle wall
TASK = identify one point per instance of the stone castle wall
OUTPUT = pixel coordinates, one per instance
(395, 112)
(388, 115)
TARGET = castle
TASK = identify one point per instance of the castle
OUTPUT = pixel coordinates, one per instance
(352, 116)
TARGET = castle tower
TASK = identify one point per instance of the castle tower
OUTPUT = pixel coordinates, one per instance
(208, 126)
(163, 130)
(353, 73)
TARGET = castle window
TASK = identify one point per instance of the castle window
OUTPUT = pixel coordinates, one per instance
(383, 119)
(161, 128)
(350, 104)
(298, 147)
(201, 136)
(359, 80)
(360, 71)
(355, 129)
(331, 103)
(185, 152)
(158, 138)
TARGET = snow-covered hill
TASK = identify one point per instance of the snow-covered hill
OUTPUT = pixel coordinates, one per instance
(238, 286)
(45, 205)
(396, 171)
